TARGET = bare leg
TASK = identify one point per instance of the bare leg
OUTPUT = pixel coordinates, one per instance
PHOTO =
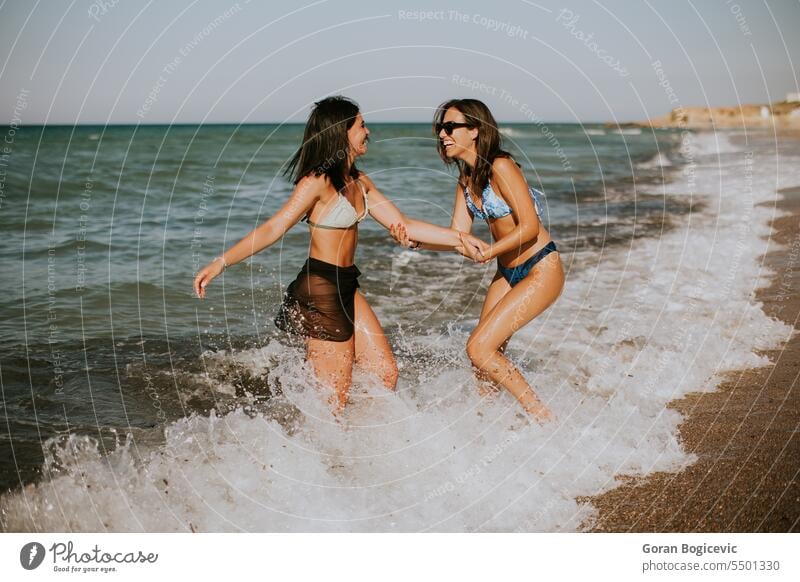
(333, 365)
(497, 289)
(515, 309)
(372, 350)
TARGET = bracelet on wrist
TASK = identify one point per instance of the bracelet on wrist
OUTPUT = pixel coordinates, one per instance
(415, 246)
(224, 263)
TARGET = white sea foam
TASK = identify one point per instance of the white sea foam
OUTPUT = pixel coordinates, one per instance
(517, 133)
(660, 160)
(634, 329)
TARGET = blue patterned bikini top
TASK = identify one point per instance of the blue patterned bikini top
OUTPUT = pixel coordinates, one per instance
(494, 207)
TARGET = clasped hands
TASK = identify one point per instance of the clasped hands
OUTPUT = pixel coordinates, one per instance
(471, 246)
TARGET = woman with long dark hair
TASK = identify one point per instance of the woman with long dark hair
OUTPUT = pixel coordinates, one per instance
(323, 304)
(529, 275)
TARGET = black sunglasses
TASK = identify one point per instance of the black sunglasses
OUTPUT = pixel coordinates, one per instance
(449, 126)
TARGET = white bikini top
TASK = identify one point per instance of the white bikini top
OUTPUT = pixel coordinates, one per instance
(343, 216)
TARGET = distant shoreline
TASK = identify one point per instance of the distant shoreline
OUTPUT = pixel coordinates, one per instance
(780, 115)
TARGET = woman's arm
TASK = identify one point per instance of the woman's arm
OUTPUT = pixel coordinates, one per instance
(302, 199)
(514, 189)
(388, 215)
(461, 222)
(462, 217)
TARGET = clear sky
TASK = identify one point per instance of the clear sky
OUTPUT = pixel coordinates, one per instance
(134, 61)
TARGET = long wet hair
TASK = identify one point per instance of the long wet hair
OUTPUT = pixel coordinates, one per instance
(326, 148)
(487, 145)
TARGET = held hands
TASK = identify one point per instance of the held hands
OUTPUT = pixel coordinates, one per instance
(473, 248)
(400, 234)
(206, 275)
(470, 246)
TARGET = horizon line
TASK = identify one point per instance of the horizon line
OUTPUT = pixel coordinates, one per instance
(301, 123)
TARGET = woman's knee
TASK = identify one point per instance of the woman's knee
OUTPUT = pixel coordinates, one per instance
(383, 366)
(478, 351)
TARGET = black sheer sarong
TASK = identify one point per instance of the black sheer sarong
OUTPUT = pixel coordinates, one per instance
(319, 303)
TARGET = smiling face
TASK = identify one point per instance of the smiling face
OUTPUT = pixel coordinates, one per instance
(461, 144)
(358, 135)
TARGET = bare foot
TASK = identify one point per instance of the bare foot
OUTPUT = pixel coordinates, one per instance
(535, 407)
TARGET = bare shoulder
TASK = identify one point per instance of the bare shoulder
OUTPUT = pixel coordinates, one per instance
(374, 194)
(368, 183)
(505, 168)
(507, 176)
(312, 185)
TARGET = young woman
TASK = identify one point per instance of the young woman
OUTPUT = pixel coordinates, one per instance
(323, 303)
(529, 275)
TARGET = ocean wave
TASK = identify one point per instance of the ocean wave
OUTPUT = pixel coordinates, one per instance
(627, 131)
(707, 143)
(660, 160)
(517, 133)
(37, 248)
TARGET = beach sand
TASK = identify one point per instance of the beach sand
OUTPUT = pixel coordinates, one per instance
(746, 435)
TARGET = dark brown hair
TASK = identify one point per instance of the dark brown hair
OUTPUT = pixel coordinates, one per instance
(487, 145)
(326, 148)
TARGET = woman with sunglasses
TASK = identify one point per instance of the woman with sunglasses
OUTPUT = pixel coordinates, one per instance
(323, 303)
(529, 274)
